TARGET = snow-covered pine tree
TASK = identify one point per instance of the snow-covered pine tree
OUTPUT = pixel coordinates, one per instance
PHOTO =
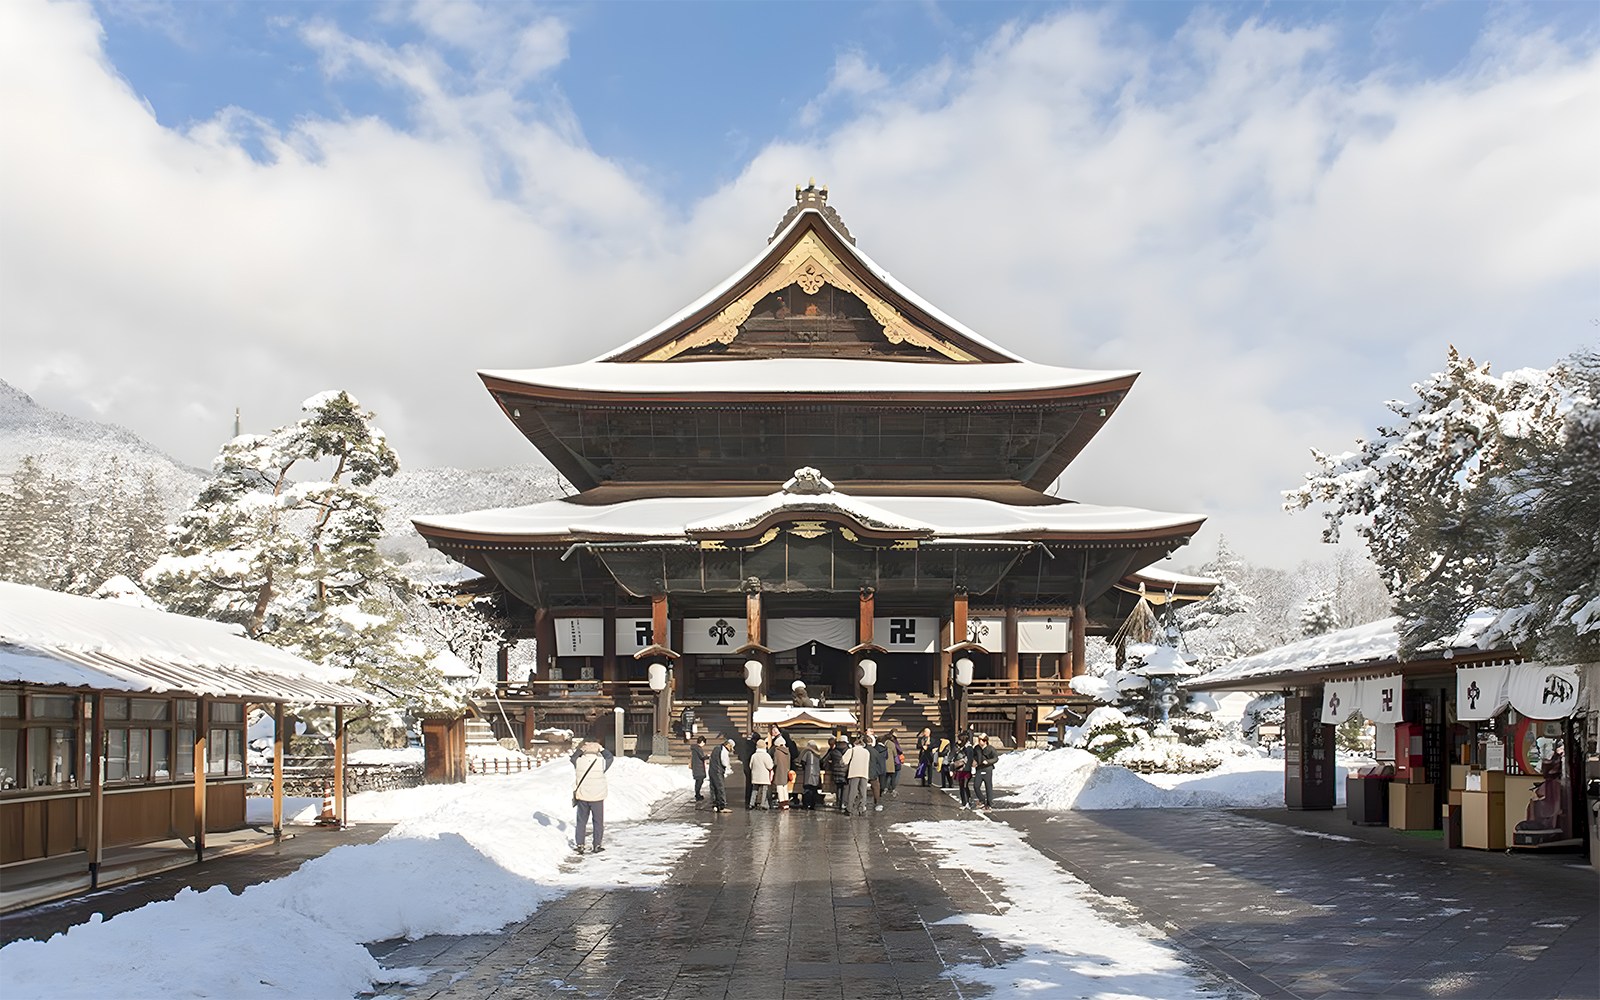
(1220, 628)
(1438, 495)
(1319, 614)
(296, 563)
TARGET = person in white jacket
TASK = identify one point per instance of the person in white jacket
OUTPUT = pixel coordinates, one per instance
(721, 766)
(760, 776)
(858, 767)
(589, 765)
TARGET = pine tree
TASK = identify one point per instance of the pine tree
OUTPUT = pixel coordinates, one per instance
(1320, 614)
(296, 563)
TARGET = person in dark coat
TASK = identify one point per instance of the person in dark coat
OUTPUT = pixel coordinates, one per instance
(839, 773)
(925, 757)
(877, 769)
(698, 754)
(810, 774)
(983, 760)
(722, 761)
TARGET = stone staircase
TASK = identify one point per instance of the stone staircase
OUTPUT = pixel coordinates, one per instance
(906, 715)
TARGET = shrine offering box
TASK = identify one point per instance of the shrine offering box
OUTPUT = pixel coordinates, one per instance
(1483, 820)
(1411, 806)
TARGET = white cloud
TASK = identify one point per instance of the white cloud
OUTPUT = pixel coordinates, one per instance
(1278, 248)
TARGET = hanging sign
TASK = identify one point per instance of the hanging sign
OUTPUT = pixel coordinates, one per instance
(906, 635)
(1480, 692)
(1340, 700)
(1043, 635)
(714, 635)
(634, 634)
(1542, 692)
(1381, 699)
(580, 636)
(792, 633)
(990, 633)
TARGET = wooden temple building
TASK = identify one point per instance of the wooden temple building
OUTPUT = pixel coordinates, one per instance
(810, 474)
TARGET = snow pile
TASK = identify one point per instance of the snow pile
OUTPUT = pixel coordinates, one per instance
(401, 755)
(1167, 756)
(1098, 958)
(1075, 779)
(462, 859)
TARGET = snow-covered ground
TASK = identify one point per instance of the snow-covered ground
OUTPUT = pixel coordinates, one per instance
(1076, 779)
(462, 859)
(1071, 948)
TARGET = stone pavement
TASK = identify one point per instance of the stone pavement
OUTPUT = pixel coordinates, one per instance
(795, 905)
(1304, 905)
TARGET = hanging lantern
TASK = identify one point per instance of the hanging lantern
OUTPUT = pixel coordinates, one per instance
(752, 674)
(867, 673)
(658, 676)
(963, 672)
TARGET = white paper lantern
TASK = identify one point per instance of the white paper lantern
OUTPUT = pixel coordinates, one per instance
(963, 672)
(752, 674)
(658, 676)
(869, 673)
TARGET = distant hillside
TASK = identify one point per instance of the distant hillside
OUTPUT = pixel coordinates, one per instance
(79, 450)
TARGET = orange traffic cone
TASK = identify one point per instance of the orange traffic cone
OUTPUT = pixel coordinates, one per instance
(327, 818)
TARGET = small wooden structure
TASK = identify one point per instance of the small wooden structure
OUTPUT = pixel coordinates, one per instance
(444, 749)
(122, 726)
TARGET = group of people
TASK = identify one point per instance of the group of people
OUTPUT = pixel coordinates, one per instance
(781, 774)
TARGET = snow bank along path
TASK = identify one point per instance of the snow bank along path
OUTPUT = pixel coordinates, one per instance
(462, 859)
(1076, 779)
(1071, 948)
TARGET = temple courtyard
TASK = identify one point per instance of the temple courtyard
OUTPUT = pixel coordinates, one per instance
(473, 892)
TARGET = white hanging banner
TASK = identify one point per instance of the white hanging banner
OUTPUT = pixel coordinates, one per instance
(580, 636)
(1542, 692)
(791, 633)
(714, 635)
(906, 635)
(1043, 635)
(1381, 700)
(1480, 692)
(634, 634)
(1340, 700)
(990, 633)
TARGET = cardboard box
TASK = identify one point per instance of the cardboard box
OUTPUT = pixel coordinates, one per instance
(1483, 820)
(1411, 806)
(1485, 781)
(1458, 776)
(1453, 797)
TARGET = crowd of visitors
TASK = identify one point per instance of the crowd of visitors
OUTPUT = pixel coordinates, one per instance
(847, 773)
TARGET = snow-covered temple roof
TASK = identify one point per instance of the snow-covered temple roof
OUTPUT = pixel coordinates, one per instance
(50, 638)
(684, 518)
(1364, 648)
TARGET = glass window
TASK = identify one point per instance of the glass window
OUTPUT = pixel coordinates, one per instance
(10, 742)
(116, 709)
(10, 706)
(187, 709)
(64, 756)
(54, 706)
(116, 755)
(183, 760)
(216, 751)
(50, 757)
(236, 751)
(150, 709)
(138, 754)
(160, 761)
(226, 711)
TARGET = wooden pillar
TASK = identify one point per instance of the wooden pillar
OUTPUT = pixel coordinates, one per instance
(1080, 635)
(529, 723)
(1020, 733)
(544, 638)
(608, 650)
(958, 633)
(96, 734)
(865, 610)
(278, 740)
(754, 626)
(502, 668)
(338, 767)
(202, 710)
(659, 632)
(1013, 657)
(661, 635)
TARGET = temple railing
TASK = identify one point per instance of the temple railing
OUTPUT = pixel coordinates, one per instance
(1052, 687)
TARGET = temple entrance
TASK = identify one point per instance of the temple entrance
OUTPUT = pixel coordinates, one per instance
(825, 670)
(906, 673)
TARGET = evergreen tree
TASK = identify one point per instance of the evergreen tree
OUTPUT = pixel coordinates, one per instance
(1320, 614)
(296, 563)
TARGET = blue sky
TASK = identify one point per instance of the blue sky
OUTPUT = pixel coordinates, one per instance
(1281, 214)
(741, 74)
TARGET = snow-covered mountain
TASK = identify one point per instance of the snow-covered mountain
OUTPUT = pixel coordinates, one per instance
(80, 450)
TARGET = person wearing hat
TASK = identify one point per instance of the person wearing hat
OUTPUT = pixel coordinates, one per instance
(760, 776)
(721, 766)
(590, 763)
(811, 775)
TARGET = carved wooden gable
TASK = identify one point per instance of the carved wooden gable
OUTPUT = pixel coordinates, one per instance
(810, 304)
